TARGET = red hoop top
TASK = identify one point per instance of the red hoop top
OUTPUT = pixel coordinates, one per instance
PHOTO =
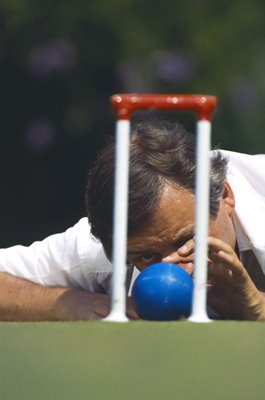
(125, 104)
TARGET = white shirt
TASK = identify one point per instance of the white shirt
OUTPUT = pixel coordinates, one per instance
(76, 259)
(246, 175)
(70, 259)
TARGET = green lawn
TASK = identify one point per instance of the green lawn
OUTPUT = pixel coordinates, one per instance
(138, 360)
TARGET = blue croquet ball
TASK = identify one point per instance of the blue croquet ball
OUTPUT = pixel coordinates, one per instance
(163, 292)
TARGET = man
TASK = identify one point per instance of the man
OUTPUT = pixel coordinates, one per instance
(161, 214)
(161, 227)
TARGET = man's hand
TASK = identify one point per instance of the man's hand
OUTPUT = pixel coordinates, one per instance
(77, 304)
(21, 300)
(183, 256)
(231, 292)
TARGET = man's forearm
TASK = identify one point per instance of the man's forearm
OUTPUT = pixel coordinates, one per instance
(21, 300)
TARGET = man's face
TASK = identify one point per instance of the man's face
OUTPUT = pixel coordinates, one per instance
(172, 226)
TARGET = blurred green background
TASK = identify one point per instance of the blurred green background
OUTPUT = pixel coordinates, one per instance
(61, 60)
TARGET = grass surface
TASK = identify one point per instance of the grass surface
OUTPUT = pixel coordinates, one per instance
(138, 360)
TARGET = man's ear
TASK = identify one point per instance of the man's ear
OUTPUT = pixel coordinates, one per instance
(228, 199)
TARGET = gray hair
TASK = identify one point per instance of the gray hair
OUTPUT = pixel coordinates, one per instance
(160, 153)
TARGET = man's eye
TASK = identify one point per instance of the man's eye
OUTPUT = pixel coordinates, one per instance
(148, 257)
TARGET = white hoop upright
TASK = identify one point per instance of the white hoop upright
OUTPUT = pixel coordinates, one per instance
(202, 185)
(119, 246)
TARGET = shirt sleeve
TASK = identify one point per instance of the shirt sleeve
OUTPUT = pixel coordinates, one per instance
(74, 258)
